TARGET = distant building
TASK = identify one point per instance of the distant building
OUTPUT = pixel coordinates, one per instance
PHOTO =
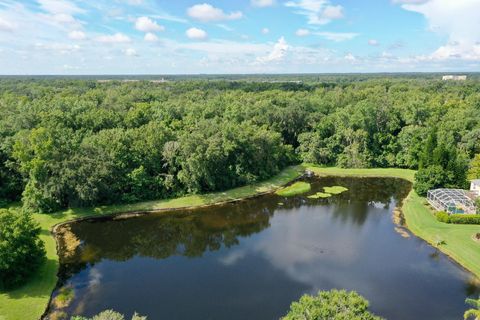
(452, 201)
(475, 187)
(454, 77)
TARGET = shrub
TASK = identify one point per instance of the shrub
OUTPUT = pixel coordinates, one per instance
(109, 315)
(458, 218)
(465, 218)
(442, 216)
(21, 250)
(331, 305)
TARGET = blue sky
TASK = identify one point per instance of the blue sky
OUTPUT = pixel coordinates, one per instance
(241, 36)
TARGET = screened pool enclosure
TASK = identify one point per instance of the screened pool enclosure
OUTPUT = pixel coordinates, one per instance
(451, 200)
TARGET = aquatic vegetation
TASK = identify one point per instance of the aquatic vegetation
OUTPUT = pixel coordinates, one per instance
(294, 189)
(335, 189)
(64, 298)
(320, 195)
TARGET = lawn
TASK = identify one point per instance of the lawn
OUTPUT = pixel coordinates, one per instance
(29, 301)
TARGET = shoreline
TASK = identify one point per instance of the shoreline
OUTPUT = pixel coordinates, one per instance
(415, 212)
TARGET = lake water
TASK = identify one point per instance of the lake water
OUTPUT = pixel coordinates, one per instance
(251, 259)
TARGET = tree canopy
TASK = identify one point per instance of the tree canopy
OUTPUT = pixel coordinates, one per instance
(67, 142)
(331, 305)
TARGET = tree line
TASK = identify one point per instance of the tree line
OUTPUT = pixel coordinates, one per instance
(77, 142)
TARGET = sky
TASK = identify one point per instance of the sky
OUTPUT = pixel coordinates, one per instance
(238, 36)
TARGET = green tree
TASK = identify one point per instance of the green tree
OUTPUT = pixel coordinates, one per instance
(473, 313)
(429, 178)
(331, 305)
(109, 315)
(21, 250)
(474, 171)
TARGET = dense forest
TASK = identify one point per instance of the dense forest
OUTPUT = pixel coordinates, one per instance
(82, 142)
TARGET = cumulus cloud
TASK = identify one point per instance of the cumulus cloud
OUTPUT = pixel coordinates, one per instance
(77, 35)
(262, 3)
(317, 11)
(60, 11)
(150, 37)
(206, 13)
(6, 25)
(114, 38)
(278, 52)
(196, 34)
(337, 36)
(265, 31)
(302, 32)
(350, 57)
(373, 42)
(130, 52)
(459, 20)
(146, 24)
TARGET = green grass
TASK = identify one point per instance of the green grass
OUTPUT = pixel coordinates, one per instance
(30, 301)
(457, 239)
(297, 188)
(335, 189)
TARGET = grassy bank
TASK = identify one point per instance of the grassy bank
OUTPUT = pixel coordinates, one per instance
(29, 301)
(458, 242)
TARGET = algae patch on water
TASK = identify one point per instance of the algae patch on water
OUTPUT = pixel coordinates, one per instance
(335, 189)
(294, 189)
(319, 195)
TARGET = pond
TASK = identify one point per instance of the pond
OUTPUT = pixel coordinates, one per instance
(251, 259)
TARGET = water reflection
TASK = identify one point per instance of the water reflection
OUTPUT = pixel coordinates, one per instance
(251, 259)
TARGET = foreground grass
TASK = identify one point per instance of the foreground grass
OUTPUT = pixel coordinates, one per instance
(458, 242)
(29, 301)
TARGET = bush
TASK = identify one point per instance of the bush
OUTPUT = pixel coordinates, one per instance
(331, 305)
(21, 250)
(109, 315)
(442, 216)
(458, 218)
(465, 218)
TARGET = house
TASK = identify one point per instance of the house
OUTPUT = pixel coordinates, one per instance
(475, 187)
(452, 201)
(454, 77)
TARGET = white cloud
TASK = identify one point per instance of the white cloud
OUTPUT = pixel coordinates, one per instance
(61, 12)
(146, 24)
(459, 20)
(373, 42)
(114, 38)
(278, 52)
(205, 13)
(77, 35)
(150, 37)
(302, 32)
(6, 25)
(265, 31)
(337, 36)
(196, 34)
(350, 57)
(60, 6)
(317, 11)
(130, 52)
(262, 3)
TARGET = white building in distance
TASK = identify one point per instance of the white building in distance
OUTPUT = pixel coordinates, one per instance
(454, 77)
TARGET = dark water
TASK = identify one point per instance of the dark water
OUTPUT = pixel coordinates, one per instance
(249, 260)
